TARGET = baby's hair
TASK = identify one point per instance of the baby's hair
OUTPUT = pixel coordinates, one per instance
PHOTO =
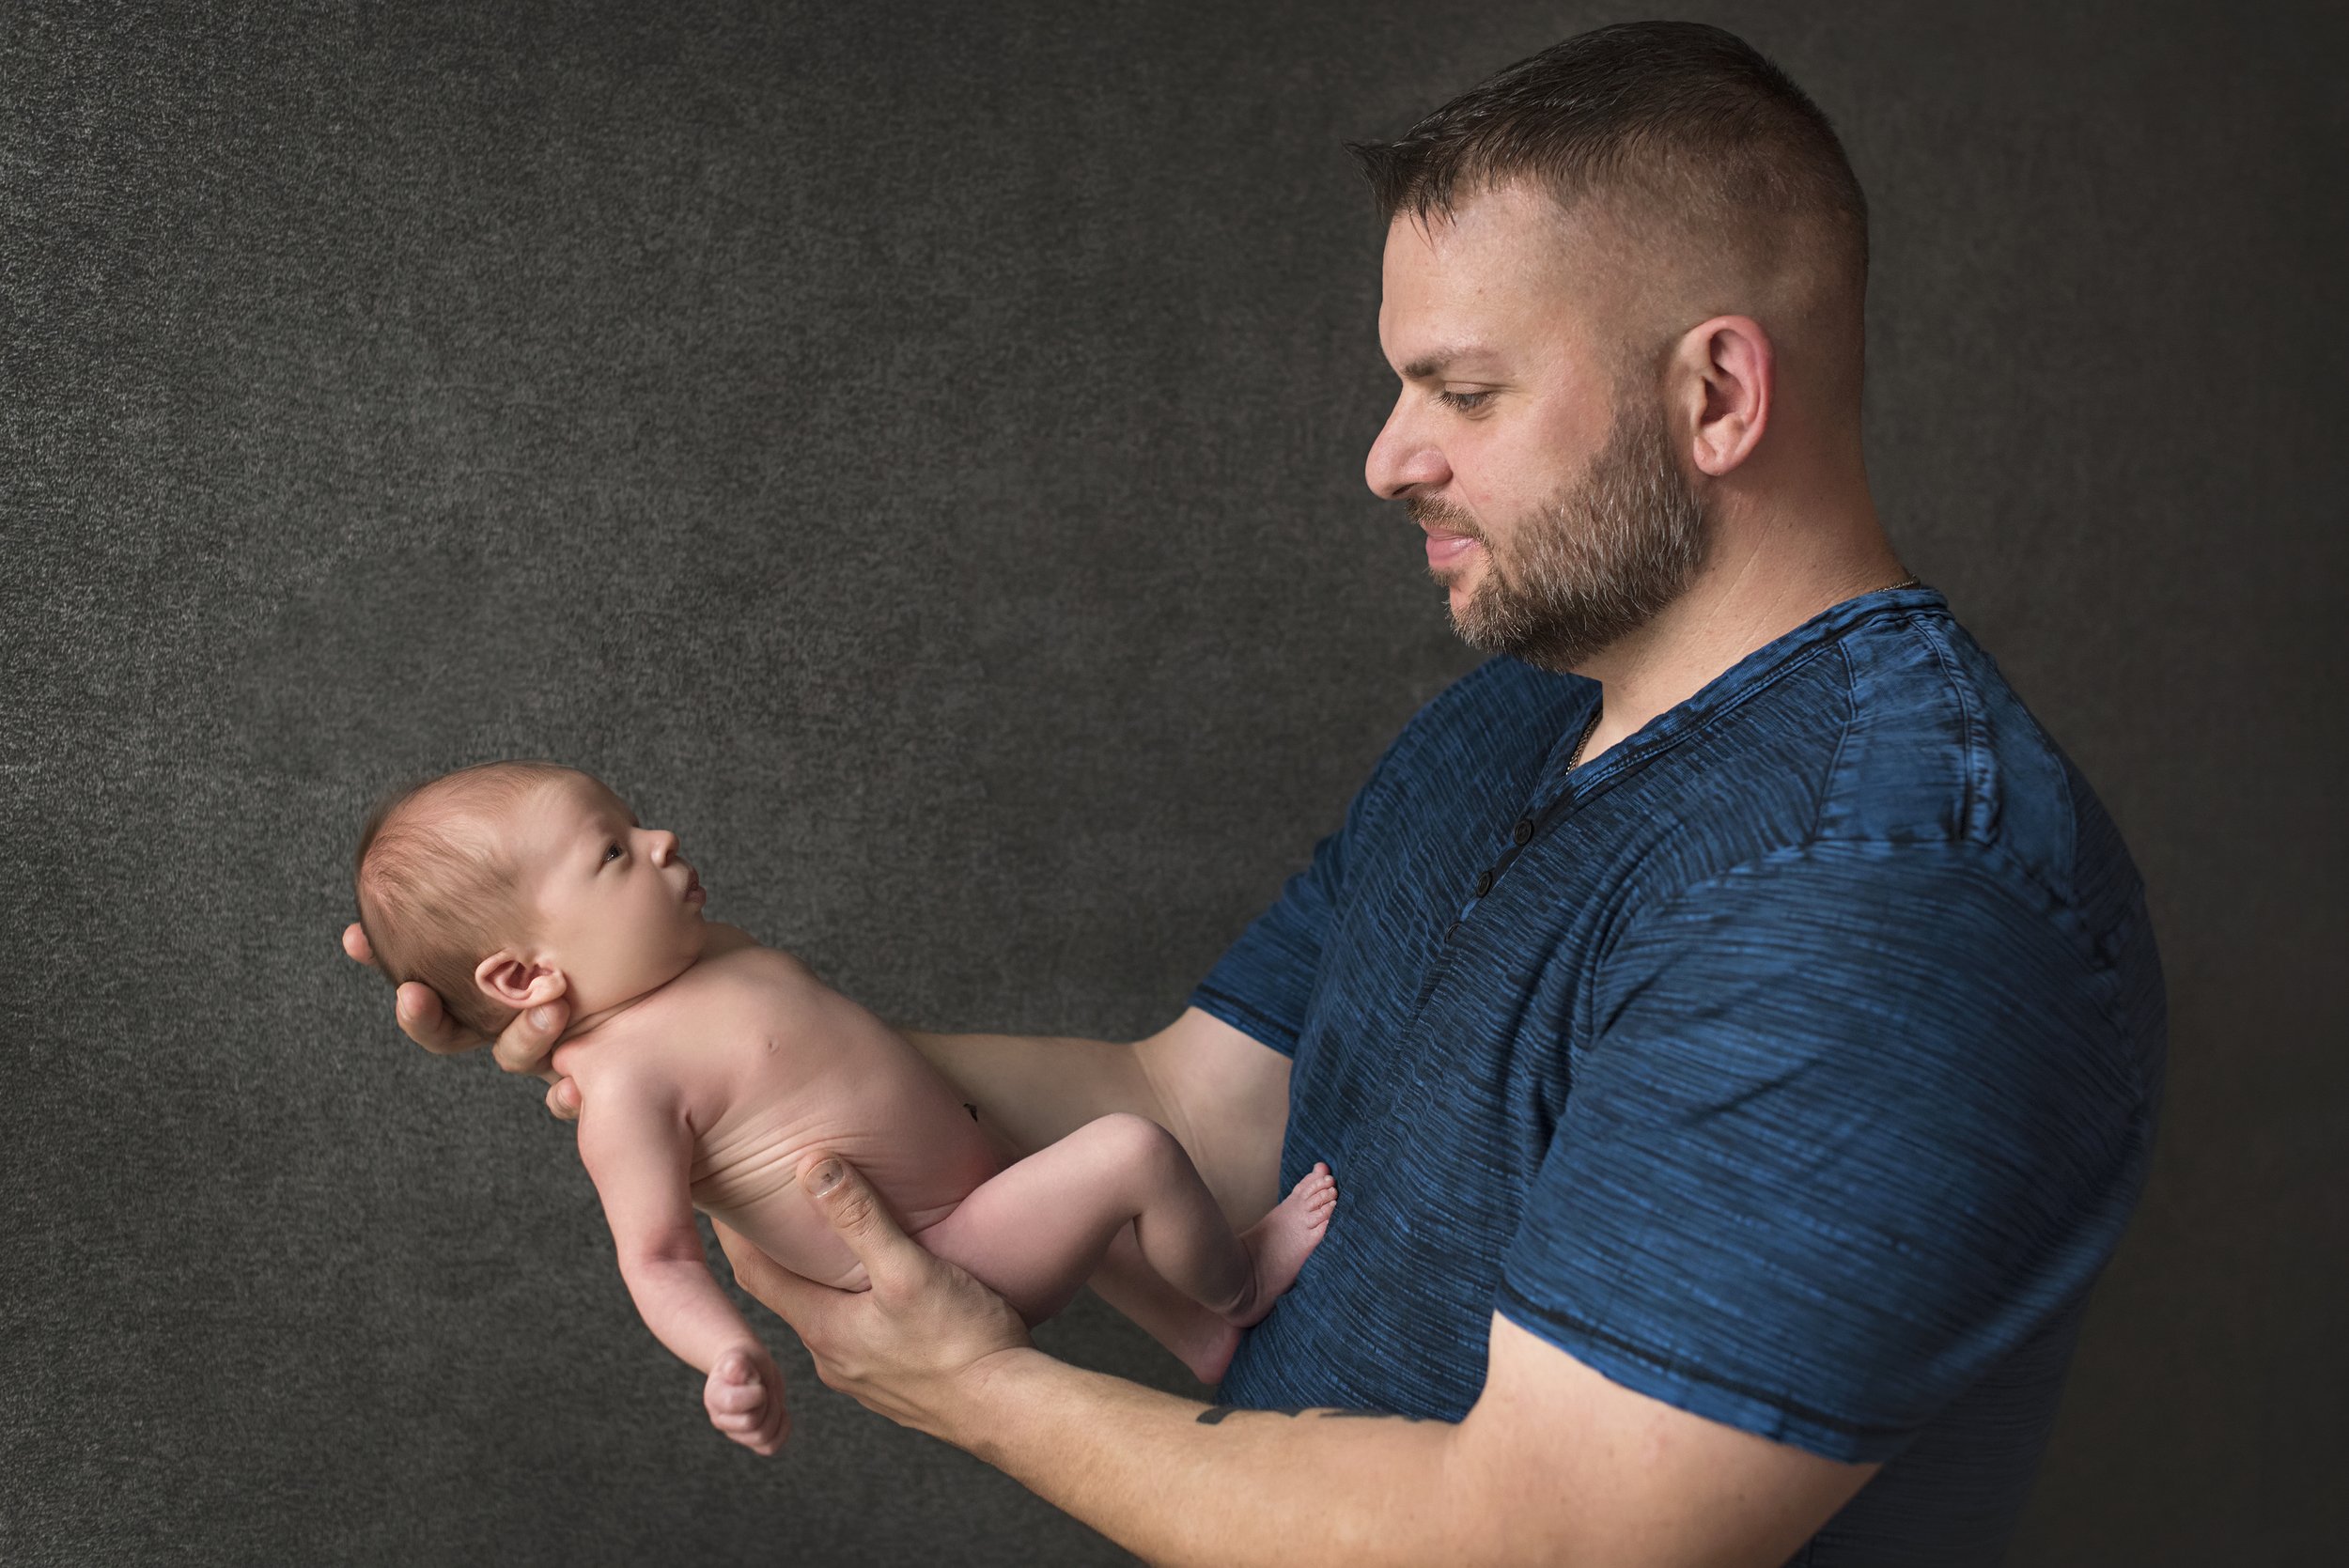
(436, 891)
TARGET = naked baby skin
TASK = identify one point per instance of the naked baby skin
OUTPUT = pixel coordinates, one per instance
(710, 1068)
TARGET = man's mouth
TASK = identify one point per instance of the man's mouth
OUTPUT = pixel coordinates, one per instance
(1443, 549)
(1446, 546)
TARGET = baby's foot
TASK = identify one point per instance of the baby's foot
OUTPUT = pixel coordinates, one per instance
(1280, 1243)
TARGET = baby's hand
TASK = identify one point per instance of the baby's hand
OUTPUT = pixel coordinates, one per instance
(744, 1398)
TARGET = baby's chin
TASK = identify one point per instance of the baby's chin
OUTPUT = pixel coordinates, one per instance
(685, 950)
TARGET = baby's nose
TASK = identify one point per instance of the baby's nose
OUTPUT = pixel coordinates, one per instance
(663, 846)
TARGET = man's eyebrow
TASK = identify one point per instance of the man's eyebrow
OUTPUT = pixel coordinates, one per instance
(1437, 362)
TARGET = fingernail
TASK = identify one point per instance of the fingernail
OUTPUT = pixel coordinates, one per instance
(825, 1178)
(543, 1017)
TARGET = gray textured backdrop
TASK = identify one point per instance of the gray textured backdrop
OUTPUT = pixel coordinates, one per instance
(915, 453)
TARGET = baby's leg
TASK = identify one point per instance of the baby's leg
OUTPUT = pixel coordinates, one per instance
(1036, 1230)
(1199, 1338)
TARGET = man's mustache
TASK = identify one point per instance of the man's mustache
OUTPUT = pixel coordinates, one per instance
(1428, 512)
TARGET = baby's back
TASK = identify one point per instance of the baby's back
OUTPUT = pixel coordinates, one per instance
(769, 1064)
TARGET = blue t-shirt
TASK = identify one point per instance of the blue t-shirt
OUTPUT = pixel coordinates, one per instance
(1794, 1063)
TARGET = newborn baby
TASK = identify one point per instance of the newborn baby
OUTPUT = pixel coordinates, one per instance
(709, 1066)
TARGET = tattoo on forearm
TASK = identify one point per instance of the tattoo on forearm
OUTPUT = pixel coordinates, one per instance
(1215, 1415)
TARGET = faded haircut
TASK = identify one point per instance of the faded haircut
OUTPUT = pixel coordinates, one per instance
(438, 891)
(1682, 131)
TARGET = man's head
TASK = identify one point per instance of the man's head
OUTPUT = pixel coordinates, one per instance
(507, 884)
(1603, 266)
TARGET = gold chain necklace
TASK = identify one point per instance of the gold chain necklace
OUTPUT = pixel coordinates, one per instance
(1590, 729)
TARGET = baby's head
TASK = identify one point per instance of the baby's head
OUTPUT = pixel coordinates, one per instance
(507, 884)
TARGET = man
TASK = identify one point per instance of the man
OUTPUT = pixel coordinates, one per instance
(1734, 1027)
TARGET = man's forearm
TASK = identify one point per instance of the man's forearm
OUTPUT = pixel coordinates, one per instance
(1178, 1483)
(1039, 1089)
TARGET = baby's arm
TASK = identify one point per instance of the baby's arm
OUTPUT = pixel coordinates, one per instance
(638, 1150)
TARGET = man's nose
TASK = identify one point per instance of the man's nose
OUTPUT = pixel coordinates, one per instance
(1403, 458)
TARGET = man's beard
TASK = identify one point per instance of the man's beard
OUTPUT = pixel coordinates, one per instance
(1609, 551)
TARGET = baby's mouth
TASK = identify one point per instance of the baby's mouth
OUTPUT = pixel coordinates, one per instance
(694, 886)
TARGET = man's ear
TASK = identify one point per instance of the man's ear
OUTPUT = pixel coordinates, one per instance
(1731, 377)
(511, 980)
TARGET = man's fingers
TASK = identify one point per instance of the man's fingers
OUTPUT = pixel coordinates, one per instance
(842, 1195)
(562, 1098)
(417, 1008)
(525, 1042)
(523, 1047)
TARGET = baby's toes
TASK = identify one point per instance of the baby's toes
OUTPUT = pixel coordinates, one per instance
(1321, 1199)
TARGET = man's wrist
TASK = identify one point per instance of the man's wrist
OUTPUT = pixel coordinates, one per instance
(981, 1401)
(1175, 1481)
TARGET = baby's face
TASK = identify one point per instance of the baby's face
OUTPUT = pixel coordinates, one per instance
(620, 910)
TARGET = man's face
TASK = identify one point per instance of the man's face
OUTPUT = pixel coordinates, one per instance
(619, 910)
(1535, 457)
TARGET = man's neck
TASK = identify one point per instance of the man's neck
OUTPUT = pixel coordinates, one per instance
(1750, 594)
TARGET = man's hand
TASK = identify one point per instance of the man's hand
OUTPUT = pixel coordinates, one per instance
(523, 1047)
(915, 1347)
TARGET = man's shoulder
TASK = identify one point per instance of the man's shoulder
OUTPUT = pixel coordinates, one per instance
(1889, 751)
(1936, 748)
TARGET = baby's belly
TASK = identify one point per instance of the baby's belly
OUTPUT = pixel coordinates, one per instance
(752, 1185)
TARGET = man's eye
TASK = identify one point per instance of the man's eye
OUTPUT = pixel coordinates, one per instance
(1465, 402)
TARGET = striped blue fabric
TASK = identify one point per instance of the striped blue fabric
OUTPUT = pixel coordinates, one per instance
(1797, 1063)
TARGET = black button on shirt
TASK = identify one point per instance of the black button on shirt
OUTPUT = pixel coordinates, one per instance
(1523, 830)
(1483, 884)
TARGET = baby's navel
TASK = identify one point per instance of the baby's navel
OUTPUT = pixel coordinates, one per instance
(771, 1045)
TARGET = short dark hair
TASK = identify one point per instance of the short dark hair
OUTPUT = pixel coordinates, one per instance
(1676, 120)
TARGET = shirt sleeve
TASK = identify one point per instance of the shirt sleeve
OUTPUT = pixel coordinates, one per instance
(1854, 1122)
(1263, 983)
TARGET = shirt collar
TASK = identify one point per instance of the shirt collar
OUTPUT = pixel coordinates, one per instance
(1756, 671)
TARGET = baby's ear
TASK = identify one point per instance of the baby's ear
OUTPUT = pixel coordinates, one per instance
(510, 980)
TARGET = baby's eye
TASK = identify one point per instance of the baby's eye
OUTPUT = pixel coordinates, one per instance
(612, 853)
